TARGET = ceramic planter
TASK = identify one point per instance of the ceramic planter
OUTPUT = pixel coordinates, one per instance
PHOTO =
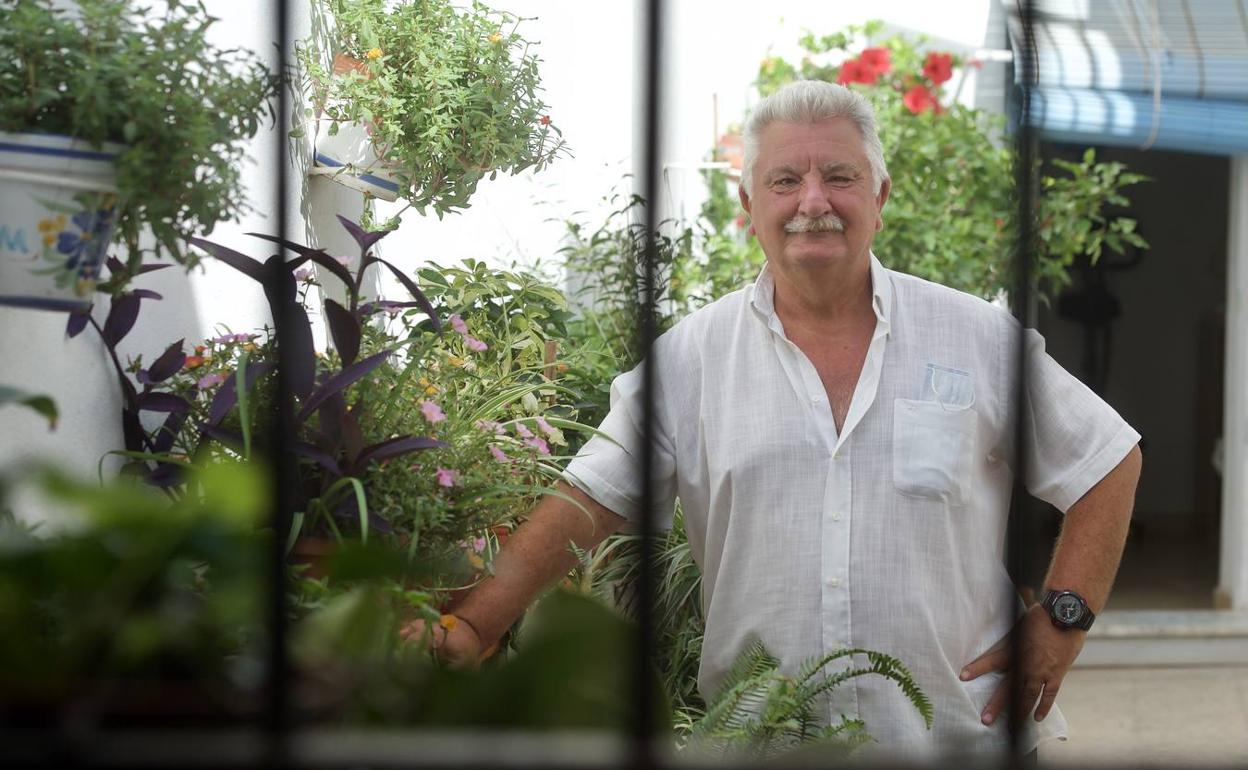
(58, 199)
(350, 156)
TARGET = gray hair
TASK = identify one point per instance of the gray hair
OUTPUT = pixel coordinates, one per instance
(810, 101)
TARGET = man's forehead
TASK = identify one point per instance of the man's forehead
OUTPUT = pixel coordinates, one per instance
(825, 141)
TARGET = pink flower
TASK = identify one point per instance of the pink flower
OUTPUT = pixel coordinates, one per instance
(474, 344)
(498, 454)
(457, 323)
(545, 427)
(447, 477)
(344, 261)
(478, 544)
(209, 380)
(523, 431)
(489, 426)
(431, 411)
(303, 274)
(539, 444)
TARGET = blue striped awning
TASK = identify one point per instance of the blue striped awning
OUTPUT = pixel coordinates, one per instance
(1165, 74)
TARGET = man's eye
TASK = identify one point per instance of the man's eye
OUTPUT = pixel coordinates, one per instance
(785, 182)
(839, 179)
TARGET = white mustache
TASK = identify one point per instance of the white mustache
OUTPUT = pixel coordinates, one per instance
(824, 224)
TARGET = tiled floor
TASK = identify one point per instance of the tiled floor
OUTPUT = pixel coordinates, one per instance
(1170, 717)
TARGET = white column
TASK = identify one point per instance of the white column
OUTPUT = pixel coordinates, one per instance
(1232, 589)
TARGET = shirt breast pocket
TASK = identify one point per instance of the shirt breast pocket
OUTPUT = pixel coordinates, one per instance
(933, 445)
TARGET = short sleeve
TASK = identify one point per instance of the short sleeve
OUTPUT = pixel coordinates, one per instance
(608, 467)
(1072, 439)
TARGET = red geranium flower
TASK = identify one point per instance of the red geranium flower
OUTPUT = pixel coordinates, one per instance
(877, 61)
(918, 99)
(853, 71)
(938, 68)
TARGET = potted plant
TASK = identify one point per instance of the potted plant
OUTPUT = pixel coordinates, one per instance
(427, 439)
(114, 117)
(434, 96)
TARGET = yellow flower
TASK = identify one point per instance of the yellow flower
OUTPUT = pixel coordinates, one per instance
(46, 225)
(448, 622)
(49, 239)
(455, 361)
(374, 53)
(496, 38)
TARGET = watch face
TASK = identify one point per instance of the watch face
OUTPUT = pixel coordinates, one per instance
(1068, 609)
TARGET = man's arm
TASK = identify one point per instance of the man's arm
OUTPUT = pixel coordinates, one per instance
(1085, 561)
(535, 556)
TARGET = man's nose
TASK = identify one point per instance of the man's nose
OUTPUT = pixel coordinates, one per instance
(813, 203)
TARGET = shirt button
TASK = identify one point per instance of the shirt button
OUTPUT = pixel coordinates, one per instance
(816, 399)
(834, 582)
(836, 516)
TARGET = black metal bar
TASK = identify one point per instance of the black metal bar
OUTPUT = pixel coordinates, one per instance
(1020, 303)
(644, 755)
(283, 464)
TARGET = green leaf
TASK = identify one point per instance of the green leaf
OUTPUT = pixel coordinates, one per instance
(43, 405)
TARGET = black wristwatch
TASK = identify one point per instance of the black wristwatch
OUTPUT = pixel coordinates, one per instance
(1067, 610)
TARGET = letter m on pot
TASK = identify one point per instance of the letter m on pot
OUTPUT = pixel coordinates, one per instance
(13, 240)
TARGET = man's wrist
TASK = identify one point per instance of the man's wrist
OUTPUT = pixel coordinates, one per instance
(471, 627)
(1068, 610)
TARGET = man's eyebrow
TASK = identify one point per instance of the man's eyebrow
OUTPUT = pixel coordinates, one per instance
(777, 171)
(841, 166)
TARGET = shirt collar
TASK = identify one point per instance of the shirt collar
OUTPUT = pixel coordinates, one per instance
(763, 296)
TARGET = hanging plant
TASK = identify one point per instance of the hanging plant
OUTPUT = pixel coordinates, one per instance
(143, 90)
(447, 96)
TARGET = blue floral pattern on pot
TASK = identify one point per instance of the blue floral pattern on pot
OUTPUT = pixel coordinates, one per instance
(75, 240)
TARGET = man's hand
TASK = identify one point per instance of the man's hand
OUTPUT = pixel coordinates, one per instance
(453, 641)
(1046, 652)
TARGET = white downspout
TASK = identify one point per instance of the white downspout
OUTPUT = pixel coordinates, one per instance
(1232, 591)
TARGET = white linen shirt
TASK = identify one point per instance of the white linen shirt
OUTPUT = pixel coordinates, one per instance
(889, 536)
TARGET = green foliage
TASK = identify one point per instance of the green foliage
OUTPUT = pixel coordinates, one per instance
(607, 263)
(452, 95)
(724, 258)
(677, 611)
(951, 213)
(760, 713)
(572, 668)
(122, 72)
(41, 405)
(139, 589)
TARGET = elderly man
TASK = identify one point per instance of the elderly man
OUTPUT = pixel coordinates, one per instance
(842, 439)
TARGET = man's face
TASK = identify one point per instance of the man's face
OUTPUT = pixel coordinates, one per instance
(806, 171)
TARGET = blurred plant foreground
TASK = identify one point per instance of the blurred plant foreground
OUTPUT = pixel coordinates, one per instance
(436, 419)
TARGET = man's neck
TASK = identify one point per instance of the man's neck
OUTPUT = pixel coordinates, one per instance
(833, 301)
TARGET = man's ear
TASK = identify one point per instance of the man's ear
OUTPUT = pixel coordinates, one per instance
(880, 199)
(745, 198)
